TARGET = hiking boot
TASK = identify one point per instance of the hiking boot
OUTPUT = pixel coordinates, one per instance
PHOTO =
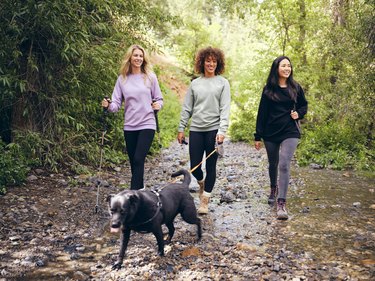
(201, 188)
(273, 195)
(282, 214)
(203, 207)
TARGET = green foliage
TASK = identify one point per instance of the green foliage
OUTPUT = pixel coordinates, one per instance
(13, 166)
(198, 27)
(58, 60)
(333, 61)
(169, 116)
(335, 146)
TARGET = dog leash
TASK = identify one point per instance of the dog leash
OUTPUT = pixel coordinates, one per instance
(191, 170)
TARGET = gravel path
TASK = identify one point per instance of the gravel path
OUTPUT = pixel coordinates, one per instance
(49, 230)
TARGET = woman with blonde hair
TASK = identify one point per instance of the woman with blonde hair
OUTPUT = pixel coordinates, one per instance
(138, 88)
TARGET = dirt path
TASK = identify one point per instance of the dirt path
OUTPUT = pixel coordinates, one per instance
(49, 230)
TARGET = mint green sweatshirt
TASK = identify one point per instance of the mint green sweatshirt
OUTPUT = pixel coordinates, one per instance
(207, 103)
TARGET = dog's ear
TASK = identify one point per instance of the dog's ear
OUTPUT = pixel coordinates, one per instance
(109, 197)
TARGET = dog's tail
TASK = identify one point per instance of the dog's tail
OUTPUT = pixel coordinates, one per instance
(187, 176)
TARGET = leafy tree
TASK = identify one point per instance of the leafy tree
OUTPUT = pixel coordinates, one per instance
(58, 59)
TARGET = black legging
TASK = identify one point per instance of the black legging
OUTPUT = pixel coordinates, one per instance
(138, 144)
(200, 142)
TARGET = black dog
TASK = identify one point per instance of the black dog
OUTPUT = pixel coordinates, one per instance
(146, 211)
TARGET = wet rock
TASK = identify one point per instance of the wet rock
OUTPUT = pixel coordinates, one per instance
(39, 171)
(14, 238)
(357, 204)
(315, 166)
(306, 210)
(80, 276)
(227, 197)
(40, 263)
(31, 178)
(193, 251)
(75, 256)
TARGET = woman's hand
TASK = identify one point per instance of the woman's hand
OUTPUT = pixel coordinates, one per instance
(294, 115)
(258, 145)
(180, 137)
(220, 138)
(106, 102)
(156, 106)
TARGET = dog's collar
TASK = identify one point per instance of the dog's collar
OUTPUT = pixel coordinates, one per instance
(158, 204)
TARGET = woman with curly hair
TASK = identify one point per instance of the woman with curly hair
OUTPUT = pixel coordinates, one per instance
(207, 103)
(137, 86)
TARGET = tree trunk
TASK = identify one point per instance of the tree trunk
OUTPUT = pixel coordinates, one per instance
(302, 31)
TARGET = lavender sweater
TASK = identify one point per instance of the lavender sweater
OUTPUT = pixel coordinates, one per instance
(137, 92)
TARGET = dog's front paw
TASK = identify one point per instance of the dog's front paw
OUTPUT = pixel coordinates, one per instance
(161, 253)
(117, 265)
(167, 240)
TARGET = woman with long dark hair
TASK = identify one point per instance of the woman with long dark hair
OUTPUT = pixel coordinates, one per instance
(282, 105)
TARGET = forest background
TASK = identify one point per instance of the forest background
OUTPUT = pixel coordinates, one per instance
(59, 58)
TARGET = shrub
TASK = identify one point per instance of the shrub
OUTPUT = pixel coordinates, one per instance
(13, 166)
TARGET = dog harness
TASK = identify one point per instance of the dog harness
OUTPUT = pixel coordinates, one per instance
(158, 205)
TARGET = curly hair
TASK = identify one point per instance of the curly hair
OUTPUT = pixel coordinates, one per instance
(203, 54)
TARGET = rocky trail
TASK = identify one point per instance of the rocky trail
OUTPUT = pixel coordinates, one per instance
(49, 229)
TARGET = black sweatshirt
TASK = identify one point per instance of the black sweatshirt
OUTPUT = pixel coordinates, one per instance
(274, 122)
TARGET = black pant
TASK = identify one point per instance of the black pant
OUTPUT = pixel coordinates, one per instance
(138, 144)
(200, 142)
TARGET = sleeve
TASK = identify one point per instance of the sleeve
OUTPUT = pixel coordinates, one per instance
(224, 109)
(302, 105)
(117, 96)
(186, 110)
(261, 118)
(156, 93)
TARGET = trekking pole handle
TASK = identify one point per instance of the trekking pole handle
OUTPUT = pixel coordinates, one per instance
(156, 118)
(105, 109)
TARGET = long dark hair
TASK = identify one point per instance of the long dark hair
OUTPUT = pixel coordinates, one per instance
(273, 81)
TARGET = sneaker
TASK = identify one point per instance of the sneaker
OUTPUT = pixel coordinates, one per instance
(273, 195)
(282, 214)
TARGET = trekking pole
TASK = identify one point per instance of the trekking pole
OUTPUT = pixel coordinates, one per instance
(157, 125)
(104, 121)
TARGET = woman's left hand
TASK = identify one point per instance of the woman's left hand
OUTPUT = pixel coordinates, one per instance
(155, 106)
(220, 138)
(294, 115)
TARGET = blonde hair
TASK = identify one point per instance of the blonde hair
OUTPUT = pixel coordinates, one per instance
(126, 69)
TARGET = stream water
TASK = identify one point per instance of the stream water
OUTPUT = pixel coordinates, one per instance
(332, 217)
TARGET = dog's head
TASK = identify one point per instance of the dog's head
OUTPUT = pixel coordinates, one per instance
(122, 207)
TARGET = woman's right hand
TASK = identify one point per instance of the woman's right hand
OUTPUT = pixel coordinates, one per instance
(258, 145)
(106, 102)
(180, 137)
